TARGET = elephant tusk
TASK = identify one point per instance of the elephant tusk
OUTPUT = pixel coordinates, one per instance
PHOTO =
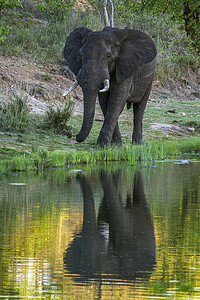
(74, 85)
(106, 86)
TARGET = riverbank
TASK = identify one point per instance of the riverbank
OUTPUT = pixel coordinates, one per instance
(172, 116)
(146, 155)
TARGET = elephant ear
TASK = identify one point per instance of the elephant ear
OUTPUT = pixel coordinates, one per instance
(74, 43)
(136, 49)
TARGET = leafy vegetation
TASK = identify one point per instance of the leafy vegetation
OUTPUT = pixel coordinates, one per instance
(58, 116)
(14, 115)
(6, 6)
(56, 8)
(185, 12)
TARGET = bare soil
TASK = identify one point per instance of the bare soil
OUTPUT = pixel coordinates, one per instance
(42, 84)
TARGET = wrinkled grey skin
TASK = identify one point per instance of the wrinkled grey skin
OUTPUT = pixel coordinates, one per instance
(128, 251)
(127, 58)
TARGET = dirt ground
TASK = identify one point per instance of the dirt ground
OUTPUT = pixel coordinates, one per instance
(45, 84)
(42, 84)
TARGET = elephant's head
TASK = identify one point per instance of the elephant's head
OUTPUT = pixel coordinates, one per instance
(96, 57)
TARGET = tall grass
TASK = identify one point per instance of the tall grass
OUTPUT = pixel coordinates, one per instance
(42, 159)
(14, 114)
(43, 40)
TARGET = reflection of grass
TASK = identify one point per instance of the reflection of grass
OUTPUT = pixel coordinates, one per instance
(40, 159)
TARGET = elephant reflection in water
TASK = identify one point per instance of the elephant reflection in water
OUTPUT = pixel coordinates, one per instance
(121, 243)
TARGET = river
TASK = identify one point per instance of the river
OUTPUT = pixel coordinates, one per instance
(105, 233)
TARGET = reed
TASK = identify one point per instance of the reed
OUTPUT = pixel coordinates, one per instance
(146, 154)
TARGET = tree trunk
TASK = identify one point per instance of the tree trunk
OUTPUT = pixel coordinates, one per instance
(105, 13)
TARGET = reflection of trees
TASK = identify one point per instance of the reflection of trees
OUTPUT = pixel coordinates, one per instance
(35, 226)
(177, 189)
(122, 243)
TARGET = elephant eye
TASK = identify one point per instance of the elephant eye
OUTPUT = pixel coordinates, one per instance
(108, 55)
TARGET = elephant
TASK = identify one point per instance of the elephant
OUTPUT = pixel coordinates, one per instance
(121, 243)
(118, 66)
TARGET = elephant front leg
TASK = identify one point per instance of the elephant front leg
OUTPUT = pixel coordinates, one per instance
(116, 138)
(106, 133)
(103, 101)
(110, 127)
(118, 95)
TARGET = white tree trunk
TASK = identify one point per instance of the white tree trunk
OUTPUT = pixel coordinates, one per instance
(105, 13)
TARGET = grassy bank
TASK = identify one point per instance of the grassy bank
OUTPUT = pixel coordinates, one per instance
(146, 154)
(39, 146)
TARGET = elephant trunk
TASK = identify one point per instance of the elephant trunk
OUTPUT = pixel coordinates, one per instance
(88, 116)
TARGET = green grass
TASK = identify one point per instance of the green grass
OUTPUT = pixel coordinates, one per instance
(146, 154)
(40, 148)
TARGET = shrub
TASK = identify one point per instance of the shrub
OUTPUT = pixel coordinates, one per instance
(14, 115)
(56, 8)
(58, 116)
(5, 5)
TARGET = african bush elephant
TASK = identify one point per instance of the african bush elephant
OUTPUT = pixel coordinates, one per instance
(121, 244)
(118, 65)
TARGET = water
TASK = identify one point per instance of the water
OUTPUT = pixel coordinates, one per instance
(108, 233)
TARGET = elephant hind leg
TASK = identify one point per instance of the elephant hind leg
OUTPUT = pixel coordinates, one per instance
(138, 111)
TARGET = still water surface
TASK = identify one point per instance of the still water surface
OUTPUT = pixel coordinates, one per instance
(107, 233)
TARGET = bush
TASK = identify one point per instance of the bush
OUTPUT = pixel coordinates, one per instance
(56, 8)
(14, 115)
(5, 5)
(58, 116)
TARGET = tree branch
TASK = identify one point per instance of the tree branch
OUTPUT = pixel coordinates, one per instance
(112, 13)
(105, 13)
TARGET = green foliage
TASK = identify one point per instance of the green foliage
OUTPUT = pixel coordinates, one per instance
(9, 4)
(44, 41)
(14, 116)
(58, 116)
(4, 30)
(56, 8)
(185, 12)
(5, 5)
